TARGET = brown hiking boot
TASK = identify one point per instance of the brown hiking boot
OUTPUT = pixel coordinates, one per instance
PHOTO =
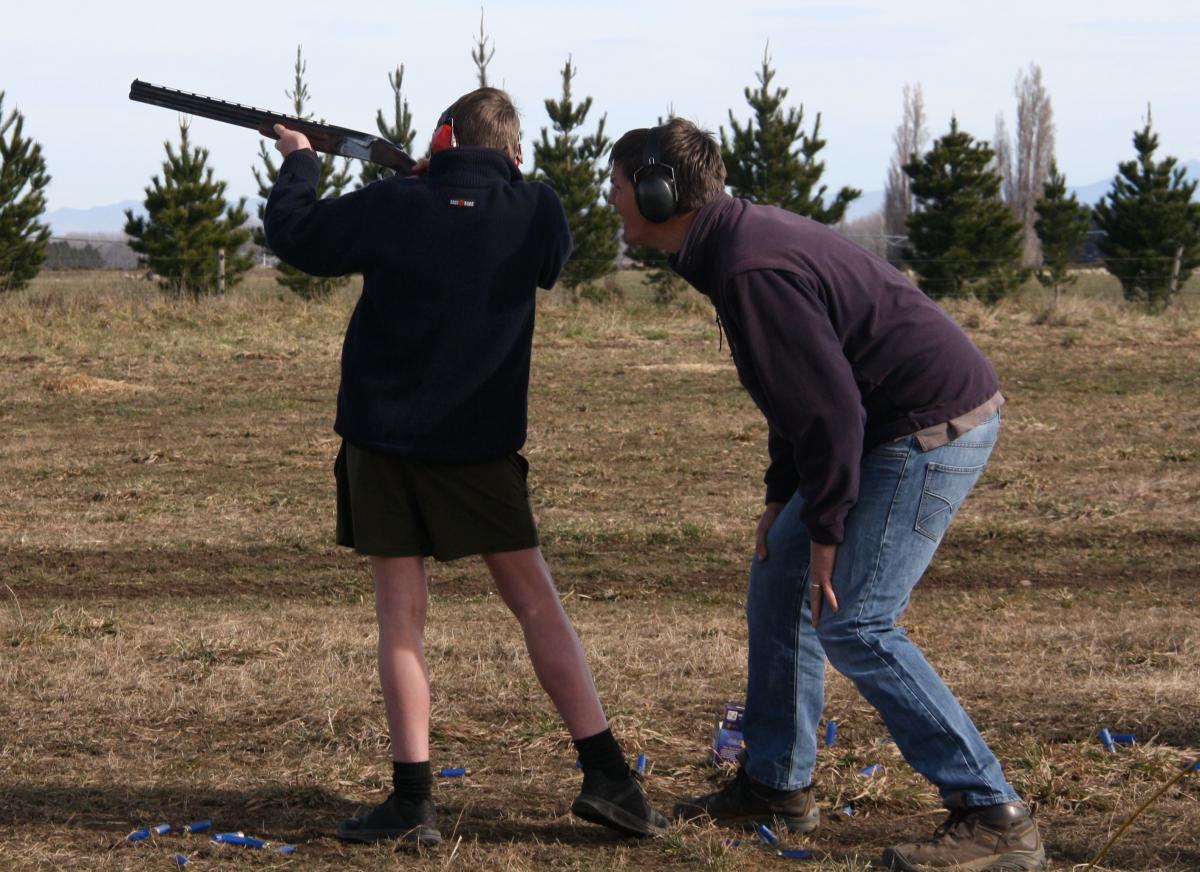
(743, 802)
(989, 838)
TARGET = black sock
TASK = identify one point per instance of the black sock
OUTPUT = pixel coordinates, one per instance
(602, 753)
(412, 782)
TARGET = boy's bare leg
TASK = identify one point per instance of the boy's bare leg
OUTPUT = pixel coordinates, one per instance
(525, 584)
(401, 602)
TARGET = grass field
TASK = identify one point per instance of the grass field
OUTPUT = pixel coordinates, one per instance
(180, 639)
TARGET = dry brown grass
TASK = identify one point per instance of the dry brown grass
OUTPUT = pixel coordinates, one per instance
(180, 639)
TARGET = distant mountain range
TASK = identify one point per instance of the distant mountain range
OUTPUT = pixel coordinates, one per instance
(111, 218)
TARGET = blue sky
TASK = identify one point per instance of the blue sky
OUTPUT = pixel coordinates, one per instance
(68, 65)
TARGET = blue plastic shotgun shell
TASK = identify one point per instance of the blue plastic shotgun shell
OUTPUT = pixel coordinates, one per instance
(795, 854)
(641, 763)
(1106, 739)
(830, 734)
(286, 849)
(144, 833)
(239, 839)
(182, 859)
(764, 833)
(452, 772)
(1124, 738)
(868, 771)
(201, 826)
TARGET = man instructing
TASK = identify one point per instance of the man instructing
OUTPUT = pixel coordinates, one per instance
(882, 415)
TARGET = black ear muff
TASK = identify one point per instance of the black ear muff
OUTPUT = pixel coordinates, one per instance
(654, 182)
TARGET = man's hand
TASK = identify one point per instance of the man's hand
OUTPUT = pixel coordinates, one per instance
(290, 140)
(765, 522)
(820, 573)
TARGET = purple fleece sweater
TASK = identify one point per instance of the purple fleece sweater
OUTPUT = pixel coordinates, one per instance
(838, 348)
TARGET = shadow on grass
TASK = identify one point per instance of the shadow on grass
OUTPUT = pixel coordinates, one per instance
(294, 814)
(272, 812)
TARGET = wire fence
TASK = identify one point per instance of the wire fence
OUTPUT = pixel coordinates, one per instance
(1157, 269)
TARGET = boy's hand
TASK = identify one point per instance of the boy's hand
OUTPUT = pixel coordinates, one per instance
(290, 140)
(421, 167)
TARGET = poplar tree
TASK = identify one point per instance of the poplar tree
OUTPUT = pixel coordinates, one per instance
(962, 238)
(187, 222)
(23, 180)
(331, 183)
(400, 132)
(573, 166)
(1062, 227)
(909, 139)
(1151, 226)
(772, 161)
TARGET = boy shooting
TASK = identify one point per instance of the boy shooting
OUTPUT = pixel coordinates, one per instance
(432, 409)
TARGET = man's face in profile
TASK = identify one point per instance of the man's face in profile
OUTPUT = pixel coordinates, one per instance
(621, 197)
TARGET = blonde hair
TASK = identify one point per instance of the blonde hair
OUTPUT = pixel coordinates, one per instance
(487, 118)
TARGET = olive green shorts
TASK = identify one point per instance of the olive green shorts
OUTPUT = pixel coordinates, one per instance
(390, 506)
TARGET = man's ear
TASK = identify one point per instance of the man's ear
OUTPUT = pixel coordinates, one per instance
(518, 158)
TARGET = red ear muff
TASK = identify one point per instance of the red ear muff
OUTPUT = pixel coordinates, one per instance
(443, 137)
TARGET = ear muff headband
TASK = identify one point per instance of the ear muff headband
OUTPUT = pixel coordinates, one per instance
(444, 137)
(654, 182)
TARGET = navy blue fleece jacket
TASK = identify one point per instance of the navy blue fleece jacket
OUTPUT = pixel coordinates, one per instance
(840, 351)
(435, 363)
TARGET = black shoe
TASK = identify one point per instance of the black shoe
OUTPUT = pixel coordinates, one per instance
(618, 804)
(743, 802)
(394, 818)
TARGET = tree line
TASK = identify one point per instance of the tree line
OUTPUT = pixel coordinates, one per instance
(964, 215)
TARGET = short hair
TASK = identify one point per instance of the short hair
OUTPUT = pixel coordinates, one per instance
(690, 151)
(487, 118)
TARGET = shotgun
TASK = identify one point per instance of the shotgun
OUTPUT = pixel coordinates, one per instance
(324, 137)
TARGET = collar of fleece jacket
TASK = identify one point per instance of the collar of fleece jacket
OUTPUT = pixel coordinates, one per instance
(468, 164)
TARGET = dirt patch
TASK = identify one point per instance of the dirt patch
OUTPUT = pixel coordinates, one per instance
(87, 384)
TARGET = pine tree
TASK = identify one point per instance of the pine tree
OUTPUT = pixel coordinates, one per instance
(64, 255)
(762, 161)
(1150, 224)
(400, 132)
(962, 238)
(23, 181)
(331, 183)
(572, 165)
(1062, 227)
(187, 222)
(480, 54)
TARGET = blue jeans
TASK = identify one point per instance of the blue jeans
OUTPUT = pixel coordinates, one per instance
(907, 499)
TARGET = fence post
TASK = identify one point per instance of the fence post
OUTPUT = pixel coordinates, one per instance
(1175, 274)
(221, 272)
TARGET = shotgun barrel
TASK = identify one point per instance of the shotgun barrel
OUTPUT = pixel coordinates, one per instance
(326, 138)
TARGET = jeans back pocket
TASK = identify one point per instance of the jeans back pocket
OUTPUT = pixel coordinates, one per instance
(944, 490)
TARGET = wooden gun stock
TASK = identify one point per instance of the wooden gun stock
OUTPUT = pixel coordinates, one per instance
(325, 138)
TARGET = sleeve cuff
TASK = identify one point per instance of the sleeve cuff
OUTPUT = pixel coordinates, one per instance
(304, 164)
